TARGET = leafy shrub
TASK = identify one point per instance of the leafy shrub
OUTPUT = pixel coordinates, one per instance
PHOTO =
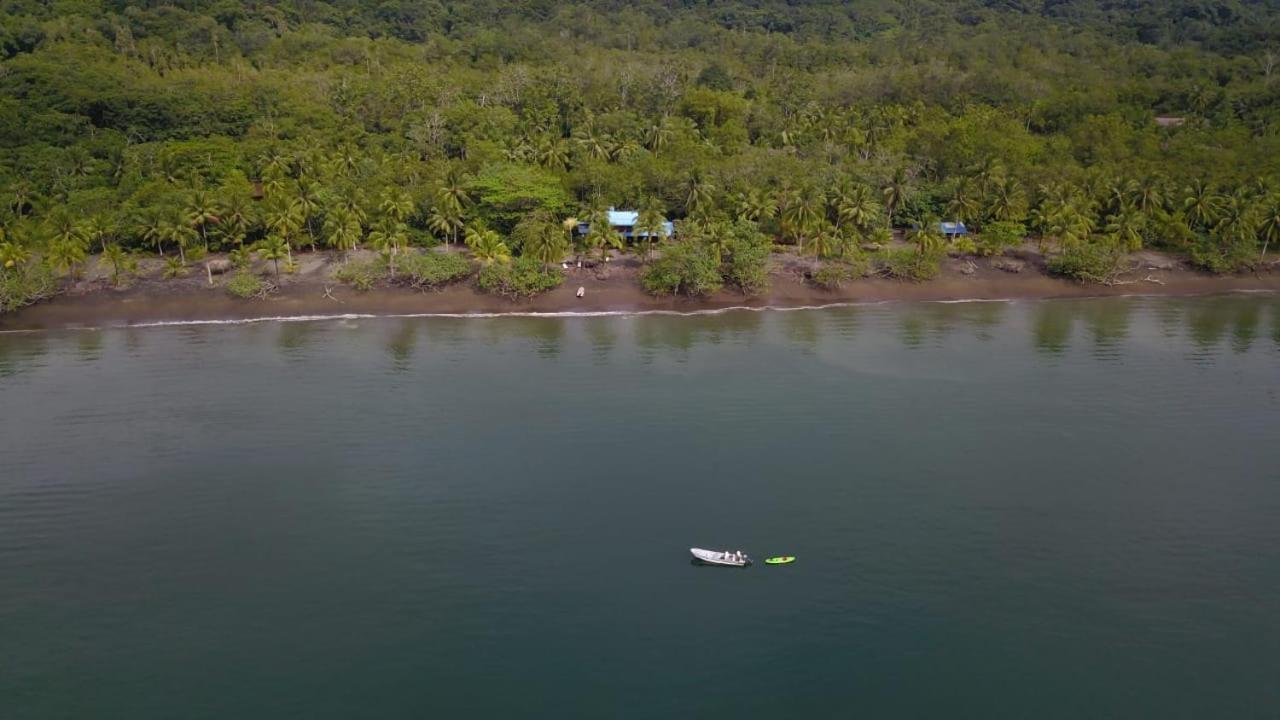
(832, 274)
(685, 268)
(746, 263)
(1220, 256)
(962, 245)
(997, 237)
(245, 284)
(25, 284)
(173, 268)
(362, 274)
(910, 263)
(1089, 262)
(522, 277)
(433, 269)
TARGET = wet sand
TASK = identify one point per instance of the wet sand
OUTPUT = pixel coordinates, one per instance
(304, 295)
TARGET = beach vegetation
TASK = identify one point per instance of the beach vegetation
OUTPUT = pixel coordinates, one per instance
(245, 284)
(187, 128)
(523, 277)
(428, 270)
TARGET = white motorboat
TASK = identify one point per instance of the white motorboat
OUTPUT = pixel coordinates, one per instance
(718, 557)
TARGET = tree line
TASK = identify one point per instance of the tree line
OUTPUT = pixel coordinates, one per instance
(269, 129)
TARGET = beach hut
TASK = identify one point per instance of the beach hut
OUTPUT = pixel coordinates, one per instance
(624, 223)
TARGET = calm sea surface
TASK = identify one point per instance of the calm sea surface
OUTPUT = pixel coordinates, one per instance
(1062, 509)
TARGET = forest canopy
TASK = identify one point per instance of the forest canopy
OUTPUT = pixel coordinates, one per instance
(154, 125)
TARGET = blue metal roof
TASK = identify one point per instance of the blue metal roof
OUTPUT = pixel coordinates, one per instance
(628, 219)
(953, 228)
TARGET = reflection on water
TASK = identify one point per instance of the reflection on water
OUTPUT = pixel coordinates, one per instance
(664, 333)
(402, 342)
(293, 339)
(938, 320)
(1106, 329)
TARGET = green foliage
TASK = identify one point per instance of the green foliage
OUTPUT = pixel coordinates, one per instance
(686, 267)
(833, 274)
(521, 278)
(508, 192)
(245, 284)
(1000, 236)
(173, 127)
(362, 274)
(913, 264)
(1222, 255)
(433, 269)
(174, 268)
(746, 260)
(1096, 261)
(25, 284)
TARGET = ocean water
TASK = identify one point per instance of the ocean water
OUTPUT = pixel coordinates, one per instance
(1057, 509)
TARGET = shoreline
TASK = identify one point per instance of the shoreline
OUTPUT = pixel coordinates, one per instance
(312, 294)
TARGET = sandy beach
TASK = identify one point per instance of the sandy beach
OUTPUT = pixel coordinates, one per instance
(312, 291)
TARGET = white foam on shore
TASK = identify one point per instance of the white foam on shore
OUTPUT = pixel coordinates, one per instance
(593, 313)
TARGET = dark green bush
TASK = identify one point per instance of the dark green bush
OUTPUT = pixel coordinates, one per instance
(433, 269)
(910, 263)
(26, 284)
(245, 284)
(521, 278)
(685, 268)
(1089, 262)
(362, 274)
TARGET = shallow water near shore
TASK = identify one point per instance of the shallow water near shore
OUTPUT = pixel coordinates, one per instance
(1051, 509)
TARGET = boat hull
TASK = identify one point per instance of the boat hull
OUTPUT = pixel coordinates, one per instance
(717, 557)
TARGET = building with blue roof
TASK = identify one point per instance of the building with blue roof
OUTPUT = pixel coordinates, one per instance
(623, 222)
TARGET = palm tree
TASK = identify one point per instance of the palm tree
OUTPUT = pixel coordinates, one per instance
(1148, 194)
(150, 227)
(755, 205)
(446, 221)
(342, 230)
(12, 255)
(802, 215)
(965, 205)
(650, 224)
(698, 194)
(658, 135)
(179, 233)
(117, 256)
(825, 241)
(305, 205)
(1202, 203)
(926, 235)
(285, 222)
(1006, 201)
(396, 204)
(452, 192)
(1269, 224)
(856, 207)
(1126, 227)
(552, 153)
(99, 229)
(274, 248)
(239, 215)
(66, 252)
(896, 191)
(200, 211)
(1236, 224)
(546, 247)
(388, 238)
(487, 246)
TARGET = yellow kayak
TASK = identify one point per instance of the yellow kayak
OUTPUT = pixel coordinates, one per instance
(780, 560)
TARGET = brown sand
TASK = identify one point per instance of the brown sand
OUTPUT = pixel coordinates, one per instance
(94, 304)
